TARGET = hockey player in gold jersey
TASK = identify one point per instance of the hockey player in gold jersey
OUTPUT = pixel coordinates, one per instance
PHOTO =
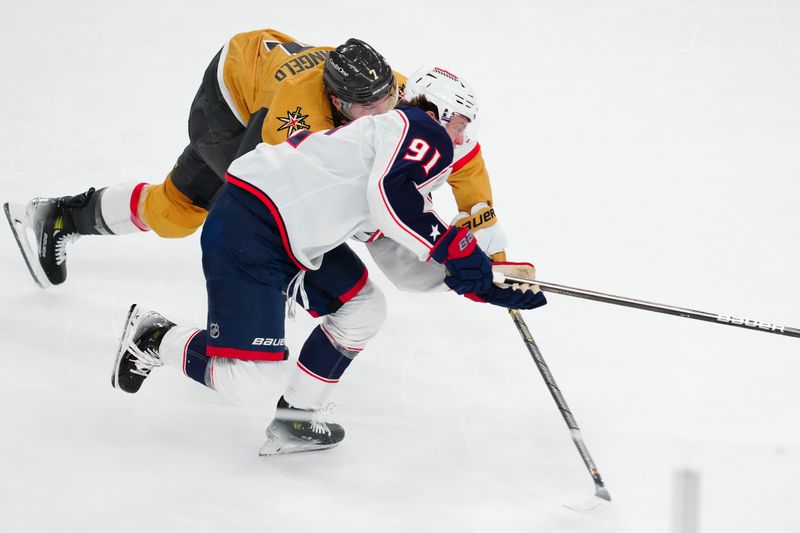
(291, 86)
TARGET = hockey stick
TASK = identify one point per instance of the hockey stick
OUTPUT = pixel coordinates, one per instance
(728, 320)
(601, 496)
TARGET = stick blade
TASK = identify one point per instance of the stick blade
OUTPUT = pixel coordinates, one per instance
(592, 506)
(597, 504)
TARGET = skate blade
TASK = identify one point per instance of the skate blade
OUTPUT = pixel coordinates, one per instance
(124, 339)
(18, 220)
(274, 446)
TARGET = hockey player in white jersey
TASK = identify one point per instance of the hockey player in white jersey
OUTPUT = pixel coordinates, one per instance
(278, 232)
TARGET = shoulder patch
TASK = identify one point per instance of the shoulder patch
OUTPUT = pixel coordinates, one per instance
(293, 121)
(289, 48)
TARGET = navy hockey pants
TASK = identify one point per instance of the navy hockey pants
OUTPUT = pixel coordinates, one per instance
(248, 274)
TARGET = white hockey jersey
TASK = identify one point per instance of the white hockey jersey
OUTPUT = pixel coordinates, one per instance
(375, 173)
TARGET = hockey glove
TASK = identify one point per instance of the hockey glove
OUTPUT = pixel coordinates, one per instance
(518, 270)
(468, 268)
(483, 223)
(516, 296)
(510, 298)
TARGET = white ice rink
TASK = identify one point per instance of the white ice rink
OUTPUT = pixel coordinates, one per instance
(643, 148)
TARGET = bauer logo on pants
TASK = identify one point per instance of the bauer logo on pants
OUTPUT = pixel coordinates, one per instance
(266, 341)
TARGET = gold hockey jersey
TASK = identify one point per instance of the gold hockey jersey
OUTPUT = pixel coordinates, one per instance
(269, 69)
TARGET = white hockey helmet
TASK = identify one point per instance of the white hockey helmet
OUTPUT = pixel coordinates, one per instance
(449, 93)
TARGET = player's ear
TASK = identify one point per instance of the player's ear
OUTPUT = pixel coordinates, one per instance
(432, 115)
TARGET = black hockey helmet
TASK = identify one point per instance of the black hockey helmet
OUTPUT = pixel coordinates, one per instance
(357, 74)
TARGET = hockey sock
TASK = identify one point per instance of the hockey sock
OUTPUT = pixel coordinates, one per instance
(195, 361)
(185, 349)
(109, 211)
(319, 367)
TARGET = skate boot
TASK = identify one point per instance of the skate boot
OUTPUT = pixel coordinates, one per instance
(299, 430)
(48, 223)
(138, 348)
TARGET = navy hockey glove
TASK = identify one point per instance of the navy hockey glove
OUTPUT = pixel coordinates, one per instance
(468, 268)
(514, 296)
(510, 298)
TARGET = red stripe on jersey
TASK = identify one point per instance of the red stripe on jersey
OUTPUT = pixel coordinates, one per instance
(246, 355)
(458, 165)
(313, 375)
(136, 195)
(349, 295)
(383, 193)
(273, 209)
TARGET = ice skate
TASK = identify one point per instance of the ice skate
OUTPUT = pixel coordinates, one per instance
(138, 348)
(43, 229)
(299, 430)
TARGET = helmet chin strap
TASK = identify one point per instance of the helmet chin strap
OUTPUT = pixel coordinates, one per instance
(340, 117)
(345, 109)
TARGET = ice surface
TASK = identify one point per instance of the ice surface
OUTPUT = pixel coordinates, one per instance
(648, 149)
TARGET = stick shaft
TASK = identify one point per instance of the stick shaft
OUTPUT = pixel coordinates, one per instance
(555, 392)
(727, 320)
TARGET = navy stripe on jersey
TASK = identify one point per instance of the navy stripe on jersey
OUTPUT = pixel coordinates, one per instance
(424, 154)
(298, 137)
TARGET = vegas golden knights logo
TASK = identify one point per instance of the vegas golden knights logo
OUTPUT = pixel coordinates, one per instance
(293, 121)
